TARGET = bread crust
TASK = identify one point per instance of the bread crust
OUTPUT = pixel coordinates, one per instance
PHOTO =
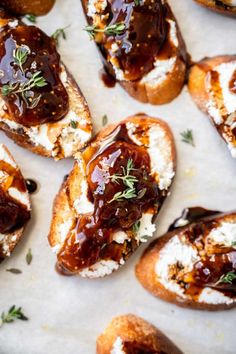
(169, 88)
(145, 272)
(71, 189)
(224, 10)
(33, 7)
(10, 240)
(131, 328)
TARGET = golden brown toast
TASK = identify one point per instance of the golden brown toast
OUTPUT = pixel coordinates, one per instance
(225, 7)
(212, 85)
(191, 265)
(131, 334)
(143, 138)
(12, 185)
(32, 7)
(156, 79)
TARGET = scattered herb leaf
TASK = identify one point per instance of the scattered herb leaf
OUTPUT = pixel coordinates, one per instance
(187, 137)
(73, 124)
(110, 30)
(31, 18)
(14, 270)
(136, 227)
(141, 193)
(127, 194)
(104, 120)
(137, 2)
(234, 244)
(59, 33)
(227, 278)
(12, 315)
(29, 257)
(20, 56)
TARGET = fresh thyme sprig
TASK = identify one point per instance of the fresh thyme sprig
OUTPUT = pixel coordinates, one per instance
(227, 278)
(31, 18)
(59, 33)
(187, 137)
(20, 56)
(12, 315)
(110, 30)
(127, 194)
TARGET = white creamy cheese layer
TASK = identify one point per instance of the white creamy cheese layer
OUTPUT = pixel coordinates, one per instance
(224, 235)
(117, 347)
(175, 252)
(83, 205)
(211, 296)
(100, 269)
(229, 2)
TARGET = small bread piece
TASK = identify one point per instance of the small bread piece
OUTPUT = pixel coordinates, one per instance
(129, 334)
(149, 58)
(193, 266)
(106, 207)
(13, 191)
(59, 138)
(212, 85)
(32, 7)
(225, 7)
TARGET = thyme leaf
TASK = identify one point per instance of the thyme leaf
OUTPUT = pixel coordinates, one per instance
(20, 56)
(110, 30)
(31, 18)
(227, 278)
(104, 120)
(12, 315)
(73, 124)
(29, 257)
(187, 137)
(59, 33)
(14, 270)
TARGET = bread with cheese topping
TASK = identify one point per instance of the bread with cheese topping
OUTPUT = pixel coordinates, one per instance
(225, 7)
(32, 7)
(212, 85)
(131, 334)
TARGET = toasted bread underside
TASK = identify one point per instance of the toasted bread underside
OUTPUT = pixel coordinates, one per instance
(133, 329)
(23, 7)
(165, 81)
(197, 85)
(146, 273)
(9, 241)
(59, 139)
(223, 9)
(65, 213)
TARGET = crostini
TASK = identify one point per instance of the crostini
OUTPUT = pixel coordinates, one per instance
(106, 207)
(32, 7)
(212, 85)
(193, 265)
(225, 7)
(141, 46)
(14, 203)
(129, 334)
(41, 106)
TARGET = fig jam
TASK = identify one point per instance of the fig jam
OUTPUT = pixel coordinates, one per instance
(106, 167)
(30, 76)
(137, 348)
(13, 214)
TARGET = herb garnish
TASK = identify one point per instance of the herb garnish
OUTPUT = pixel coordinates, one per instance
(234, 244)
(14, 270)
(137, 2)
(73, 124)
(227, 278)
(136, 227)
(31, 18)
(104, 120)
(60, 32)
(12, 315)
(20, 56)
(29, 257)
(187, 137)
(110, 30)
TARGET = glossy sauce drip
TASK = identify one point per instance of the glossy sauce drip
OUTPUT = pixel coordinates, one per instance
(93, 239)
(146, 31)
(137, 348)
(36, 105)
(107, 79)
(13, 214)
(31, 185)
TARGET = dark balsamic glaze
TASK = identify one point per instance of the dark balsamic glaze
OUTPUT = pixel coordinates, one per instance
(137, 348)
(107, 79)
(13, 214)
(216, 261)
(93, 239)
(53, 101)
(31, 185)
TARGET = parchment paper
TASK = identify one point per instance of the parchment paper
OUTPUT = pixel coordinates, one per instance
(66, 314)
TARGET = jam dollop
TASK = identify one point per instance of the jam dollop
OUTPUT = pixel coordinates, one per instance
(13, 214)
(121, 189)
(30, 76)
(134, 50)
(137, 348)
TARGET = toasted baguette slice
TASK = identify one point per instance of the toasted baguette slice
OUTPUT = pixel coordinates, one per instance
(212, 85)
(60, 139)
(192, 266)
(165, 79)
(9, 171)
(225, 7)
(23, 7)
(71, 204)
(131, 334)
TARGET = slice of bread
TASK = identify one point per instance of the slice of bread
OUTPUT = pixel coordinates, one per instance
(32, 7)
(165, 80)
(171, 267)
(225, 7)
(212, 85)
(8, 241)
(131, 334)
(60, 139)
(72, 203)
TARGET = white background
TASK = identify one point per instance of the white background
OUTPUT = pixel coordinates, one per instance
(67, 314)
